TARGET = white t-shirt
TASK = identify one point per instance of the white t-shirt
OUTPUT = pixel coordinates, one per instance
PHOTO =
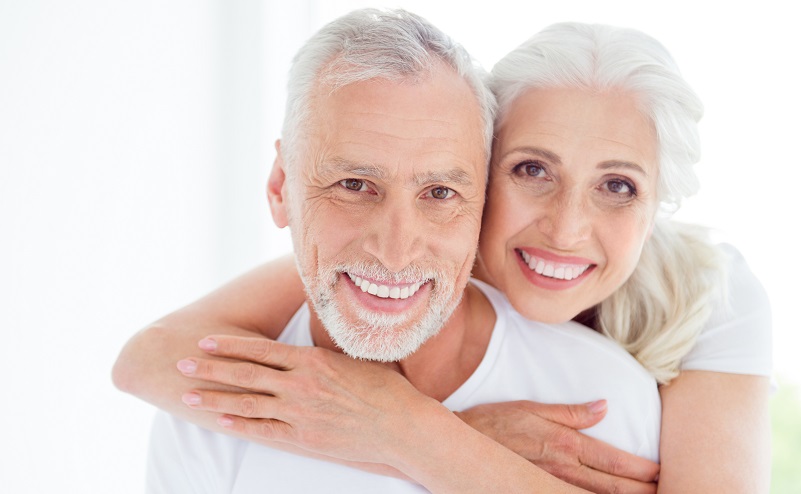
(525, 360)
(737, 337)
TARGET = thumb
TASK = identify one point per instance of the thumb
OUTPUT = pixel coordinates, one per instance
(579, 416)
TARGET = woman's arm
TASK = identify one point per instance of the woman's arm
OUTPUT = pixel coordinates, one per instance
(330, 404)
(259, 303)
(715, 434)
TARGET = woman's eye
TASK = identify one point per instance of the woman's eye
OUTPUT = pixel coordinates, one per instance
(353, 184)
(620, 187)
(530, 169)
(441, 193)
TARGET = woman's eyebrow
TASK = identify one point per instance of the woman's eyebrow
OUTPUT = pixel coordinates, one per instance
(543, 153)
(606, 165)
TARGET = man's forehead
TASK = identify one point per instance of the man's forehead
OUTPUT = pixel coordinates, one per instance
(420, 132)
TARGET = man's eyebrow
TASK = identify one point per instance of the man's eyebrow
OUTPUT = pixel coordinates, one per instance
(456, 176)
(606, 165)
(358, 169)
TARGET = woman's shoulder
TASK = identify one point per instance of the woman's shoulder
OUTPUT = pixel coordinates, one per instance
(737, 336)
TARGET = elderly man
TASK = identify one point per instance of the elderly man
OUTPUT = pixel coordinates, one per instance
(380, 176)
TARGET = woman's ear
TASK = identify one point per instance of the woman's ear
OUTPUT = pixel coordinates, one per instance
(276, 189)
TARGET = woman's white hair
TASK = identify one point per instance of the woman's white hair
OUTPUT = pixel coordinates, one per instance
(371, 44)
(660, 310)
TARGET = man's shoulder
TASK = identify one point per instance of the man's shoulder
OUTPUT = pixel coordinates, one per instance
(184, 457)
(578, 345)
(298, 331)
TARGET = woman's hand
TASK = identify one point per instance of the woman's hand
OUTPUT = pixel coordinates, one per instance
(313, 398)
(548, 436)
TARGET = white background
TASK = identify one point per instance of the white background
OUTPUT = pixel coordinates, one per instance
(135, 139)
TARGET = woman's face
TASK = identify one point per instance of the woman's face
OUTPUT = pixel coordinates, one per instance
(571, 200)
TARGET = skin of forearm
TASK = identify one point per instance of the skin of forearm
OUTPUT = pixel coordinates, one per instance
(146, 368)
(448, 456)
(715, 434)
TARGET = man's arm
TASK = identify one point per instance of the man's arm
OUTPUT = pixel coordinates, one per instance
(715, 434)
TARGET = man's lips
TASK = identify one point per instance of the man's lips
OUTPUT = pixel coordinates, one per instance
(380, 290)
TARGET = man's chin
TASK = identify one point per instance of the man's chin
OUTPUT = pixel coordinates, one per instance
(379, 344)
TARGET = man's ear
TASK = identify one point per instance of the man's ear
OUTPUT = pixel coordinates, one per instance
(276, 189)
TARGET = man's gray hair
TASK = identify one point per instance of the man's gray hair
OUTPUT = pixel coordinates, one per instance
(370, 44)
(598, 57)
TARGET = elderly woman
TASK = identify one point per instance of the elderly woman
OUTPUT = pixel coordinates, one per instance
(596, 136)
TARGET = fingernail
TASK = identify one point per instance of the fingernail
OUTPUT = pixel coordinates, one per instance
(207, 344)
(225, 421)
(191, 399)
(597, 406)
(187, 366)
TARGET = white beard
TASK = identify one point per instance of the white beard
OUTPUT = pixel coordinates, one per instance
(376, 336)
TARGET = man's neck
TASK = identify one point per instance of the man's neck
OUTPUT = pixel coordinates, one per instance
(448, 359)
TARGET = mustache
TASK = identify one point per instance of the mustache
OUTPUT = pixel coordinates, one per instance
(377, 272)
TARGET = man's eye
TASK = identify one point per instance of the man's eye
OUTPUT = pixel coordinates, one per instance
(353, 184)
(441, 193)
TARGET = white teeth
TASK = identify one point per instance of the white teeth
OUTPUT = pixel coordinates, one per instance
(384, 291)
(553, 270)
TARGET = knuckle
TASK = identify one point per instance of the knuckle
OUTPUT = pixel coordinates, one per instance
(265, 429)
(616, 488)
(245, 375)
(616, 464)
(210, 401)
(203, 368)
(566, 441)
(260, 350)
(574, 413)
(248, 406)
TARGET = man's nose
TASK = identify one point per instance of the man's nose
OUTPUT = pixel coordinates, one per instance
(395, 235)
(566, 222)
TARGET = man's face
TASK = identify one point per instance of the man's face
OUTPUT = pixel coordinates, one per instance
(385, 209)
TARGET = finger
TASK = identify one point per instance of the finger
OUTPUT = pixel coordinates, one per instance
(604, 483)
(245, 375)
(261, 350)
(240, 404)
(607, 459)
(580, 416)
(269, 429)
